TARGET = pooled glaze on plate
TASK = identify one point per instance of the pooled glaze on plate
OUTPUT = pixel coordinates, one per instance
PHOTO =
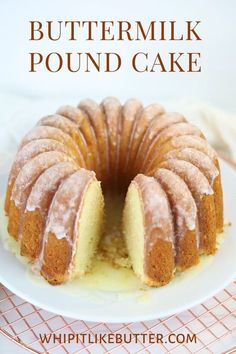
(103, 276)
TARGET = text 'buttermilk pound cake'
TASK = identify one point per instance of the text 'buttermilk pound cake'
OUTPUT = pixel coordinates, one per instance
(173, 207)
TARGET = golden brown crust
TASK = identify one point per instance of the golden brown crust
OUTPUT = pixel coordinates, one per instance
(70, 128)
(184, 212)
(116, 142)
(61, 228)
(156, 126)
(14, 220)
(8, 197)
(159, 231)
(35, 214)
(160, 264)
(57, 258)
(208, 221)
(130, 111)
(111, 108)
(97, 120)
(32, 229)
(45, 132)
(204, 198)
(182, 141)
(218, 196)
(23, 185)
(188, 255)
(210, 171)
(139, 128)
(175, 130)
(83, 123)
(26, 153)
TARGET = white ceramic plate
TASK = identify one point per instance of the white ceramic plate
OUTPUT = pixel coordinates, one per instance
(94, 304)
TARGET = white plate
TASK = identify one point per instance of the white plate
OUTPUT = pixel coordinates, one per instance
(84, 302)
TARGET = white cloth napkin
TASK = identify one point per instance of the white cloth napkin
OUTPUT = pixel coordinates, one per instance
(218, 125)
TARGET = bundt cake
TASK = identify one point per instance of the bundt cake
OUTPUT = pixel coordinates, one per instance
(173, 207)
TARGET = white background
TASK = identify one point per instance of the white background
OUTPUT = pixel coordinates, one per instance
(216, 83)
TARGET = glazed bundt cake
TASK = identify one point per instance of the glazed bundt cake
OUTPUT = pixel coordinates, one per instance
(173, 206)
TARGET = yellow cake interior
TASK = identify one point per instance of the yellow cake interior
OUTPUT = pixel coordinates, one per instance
(90, 227)
(133, 226)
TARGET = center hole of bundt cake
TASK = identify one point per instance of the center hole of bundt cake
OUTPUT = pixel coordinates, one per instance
(112, 247)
